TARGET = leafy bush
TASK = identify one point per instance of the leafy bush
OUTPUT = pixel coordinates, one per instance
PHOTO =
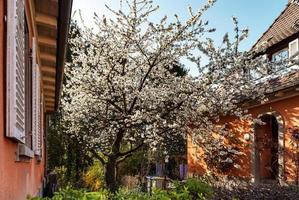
(171, 195)
(160, 195)
(196, 188)
(192, 189)
(62, 179)
(71, 194)
(124, 194)
(93, 177)
(156, 195)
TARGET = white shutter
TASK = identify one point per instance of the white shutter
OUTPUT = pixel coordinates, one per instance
(293, 48)
(38, 113)
(41, 126)
(36, 107)
(15, 101)
(38, 122)
(34, 96)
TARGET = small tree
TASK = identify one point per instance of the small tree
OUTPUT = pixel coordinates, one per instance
(123, 94)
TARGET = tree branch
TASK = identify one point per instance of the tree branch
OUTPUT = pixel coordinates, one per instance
(132, 150)
(95, 154)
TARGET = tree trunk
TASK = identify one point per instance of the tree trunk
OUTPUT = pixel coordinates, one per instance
(110, 172)
(110, 175)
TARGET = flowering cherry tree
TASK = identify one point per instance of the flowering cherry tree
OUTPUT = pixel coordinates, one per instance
(123, 95)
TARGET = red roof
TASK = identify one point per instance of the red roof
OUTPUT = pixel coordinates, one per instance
(286, 25)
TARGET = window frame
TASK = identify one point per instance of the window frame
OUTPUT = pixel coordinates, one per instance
(281, 68)
(278, 52)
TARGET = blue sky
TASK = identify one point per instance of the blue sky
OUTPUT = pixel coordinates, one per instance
(257, 15)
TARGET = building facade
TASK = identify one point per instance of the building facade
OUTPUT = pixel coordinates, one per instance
(33, 36)
(269, 152)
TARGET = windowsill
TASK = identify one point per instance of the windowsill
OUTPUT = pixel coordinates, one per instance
(24, 153)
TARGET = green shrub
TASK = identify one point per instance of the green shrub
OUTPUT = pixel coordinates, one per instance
(181, 195)
(160, 195)
(62, 179)
(125, 194)
(196, 188)
(171, 195)
(71, 194)
(200, 188)
(94, 176)
(37, 198)
(193, 189)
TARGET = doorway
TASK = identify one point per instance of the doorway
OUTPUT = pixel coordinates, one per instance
(266, 161)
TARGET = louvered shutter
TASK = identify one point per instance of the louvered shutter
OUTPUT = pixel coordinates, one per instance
(41, 125)
(15, 102)
(36, 106)
(34, 96)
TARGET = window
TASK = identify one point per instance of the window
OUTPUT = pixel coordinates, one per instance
(280, 59)
(281, 55)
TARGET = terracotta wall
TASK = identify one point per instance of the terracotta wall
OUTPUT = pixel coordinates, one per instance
(197, 165)
(17, 179)
(288, 109)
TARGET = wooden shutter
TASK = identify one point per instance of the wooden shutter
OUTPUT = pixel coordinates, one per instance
(15, 76)
(36, 105)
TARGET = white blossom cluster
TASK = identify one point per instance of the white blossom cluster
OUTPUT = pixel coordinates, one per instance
(121, 90)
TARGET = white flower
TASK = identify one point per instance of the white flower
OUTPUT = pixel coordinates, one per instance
(228, 160)
(119, 86)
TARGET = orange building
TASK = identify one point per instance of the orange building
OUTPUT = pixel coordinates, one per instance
(270, 152)
(33, 37)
